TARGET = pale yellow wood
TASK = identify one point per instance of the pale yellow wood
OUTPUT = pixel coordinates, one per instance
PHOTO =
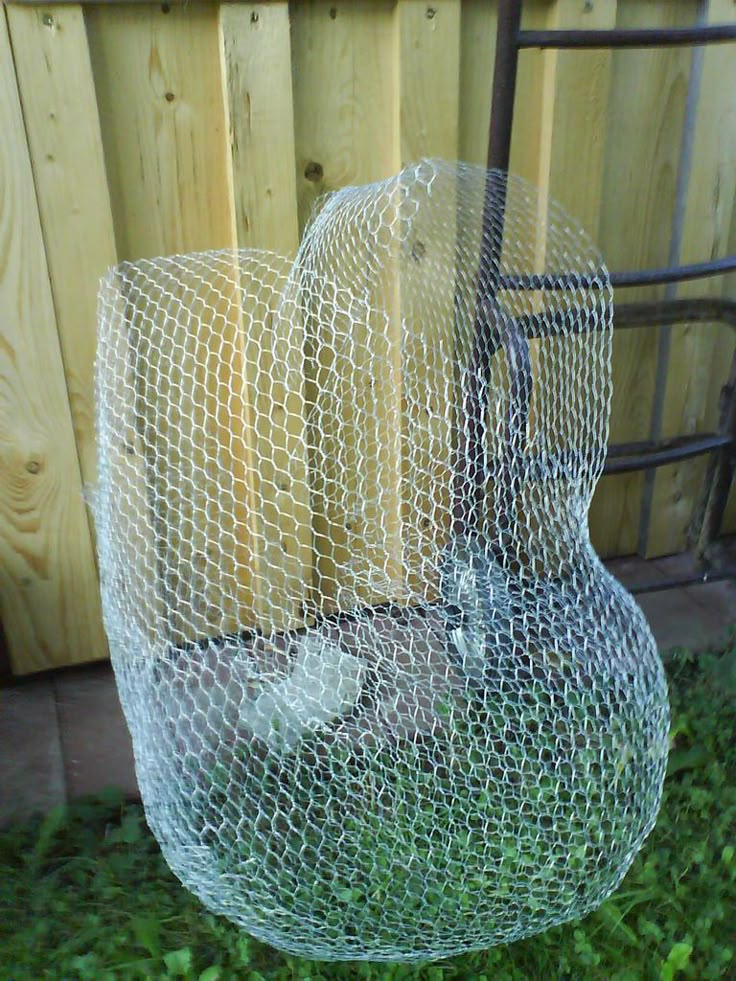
(530, 138)
(699, 359)
(563, 148)
(477, 60)
(257, 66)
(256, 60)
(275, 372)
(575, 114)
(429, 65)
(429, 80)
(60, 112)
(531, 141)
(186, 153)
(645, 119)
(477, 57)
(162, 112)
(49, 600)
(196, 428)
(164, 124)
(574, 118)
(528, 131)
(66, 3)
(346, 112)
(560, 110)
(345, 95)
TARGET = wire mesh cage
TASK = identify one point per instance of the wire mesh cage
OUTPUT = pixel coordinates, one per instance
(385, 700)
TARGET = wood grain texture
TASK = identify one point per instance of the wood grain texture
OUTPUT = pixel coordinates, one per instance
(700, 355)
(257, 67)
(99, 3)
(60, 112)
(164, 124)
(256, 64)
(345, 88)
(477, 59)
(645, 119)
(129, 515)
(161, 104)
(565, 161)
(576, 103)
(49, 599)
(221, 124)
(429, 66)
(273, 332)
(347, 118)
(429, 84)
(527, 135)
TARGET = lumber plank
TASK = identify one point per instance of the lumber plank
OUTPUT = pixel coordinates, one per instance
(49, 598)
(164, 124)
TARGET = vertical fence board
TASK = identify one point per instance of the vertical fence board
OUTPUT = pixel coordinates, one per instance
(164, 124)
(60, 111)
(221, 124)
(344, 83)
(429, 65)
(257, 62)
(574, 97)
(693, 378)
(256, 51)
(576, 94)
(346, 112)
(477, 59)
(161, 105)
(275, 371)
(131, 519)
(48, 583)
(527, 134)
(647, 100)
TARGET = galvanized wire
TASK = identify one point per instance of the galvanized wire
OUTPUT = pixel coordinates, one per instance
(364, 726)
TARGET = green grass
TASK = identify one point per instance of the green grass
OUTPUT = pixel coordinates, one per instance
(391, 845)
(84, 893)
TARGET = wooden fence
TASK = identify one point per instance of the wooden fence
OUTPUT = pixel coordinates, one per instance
(134, 130)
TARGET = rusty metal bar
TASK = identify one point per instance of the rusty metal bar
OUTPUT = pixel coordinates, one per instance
(688, 579)
(639, 277)
(632, 316)
(675, 274)
(624, 458)
(654, 313)
(628, 38)
(620, 457)
(489, 333)
(504, 84)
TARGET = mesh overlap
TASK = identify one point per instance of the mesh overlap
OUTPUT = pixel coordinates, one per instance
(385, 701)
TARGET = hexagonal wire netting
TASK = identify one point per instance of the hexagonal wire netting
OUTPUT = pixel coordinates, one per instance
(385, 701)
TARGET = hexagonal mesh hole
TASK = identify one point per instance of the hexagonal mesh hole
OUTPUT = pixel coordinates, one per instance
(385, 701)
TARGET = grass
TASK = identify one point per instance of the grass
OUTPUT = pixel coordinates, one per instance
(399, 851)
(85, 894)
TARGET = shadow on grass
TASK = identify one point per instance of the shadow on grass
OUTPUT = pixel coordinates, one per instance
(85, 894)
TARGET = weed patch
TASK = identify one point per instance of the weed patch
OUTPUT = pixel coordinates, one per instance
(85, 894)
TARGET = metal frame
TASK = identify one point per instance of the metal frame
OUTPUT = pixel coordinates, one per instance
(622, 457)
(493, 332)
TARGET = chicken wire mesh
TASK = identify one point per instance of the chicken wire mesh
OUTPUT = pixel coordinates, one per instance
(385, 701)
